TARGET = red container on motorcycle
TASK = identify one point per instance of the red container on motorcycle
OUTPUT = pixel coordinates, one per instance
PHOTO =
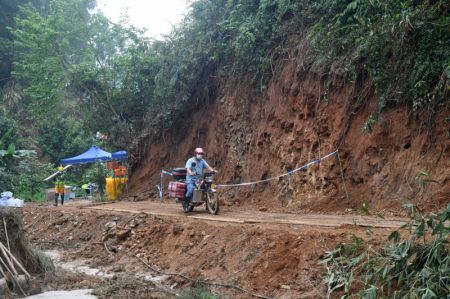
(177, 189)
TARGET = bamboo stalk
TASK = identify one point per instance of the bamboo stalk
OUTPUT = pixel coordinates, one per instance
(12, 275)
(17, 262)
(6, 234)
(8, 260)
(1, 271)
(4, 264)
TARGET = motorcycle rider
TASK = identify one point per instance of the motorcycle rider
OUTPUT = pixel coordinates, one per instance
(194, 167)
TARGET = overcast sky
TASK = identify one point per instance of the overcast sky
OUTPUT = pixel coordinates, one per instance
(157, 16)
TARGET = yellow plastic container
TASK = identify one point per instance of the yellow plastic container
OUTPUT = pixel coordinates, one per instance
(115, 187)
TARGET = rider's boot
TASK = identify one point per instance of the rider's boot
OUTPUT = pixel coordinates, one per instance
(186, 204)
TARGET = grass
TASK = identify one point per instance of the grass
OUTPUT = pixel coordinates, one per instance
(198, 293)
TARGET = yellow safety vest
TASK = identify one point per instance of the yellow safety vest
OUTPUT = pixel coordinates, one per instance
(59, 187)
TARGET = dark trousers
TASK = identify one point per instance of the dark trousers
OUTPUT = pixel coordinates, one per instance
(56, 198)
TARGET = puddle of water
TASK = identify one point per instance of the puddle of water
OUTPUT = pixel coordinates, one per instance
(80, 266)
(150, 277)
(74, 294)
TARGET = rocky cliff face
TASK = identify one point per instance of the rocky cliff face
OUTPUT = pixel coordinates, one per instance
(301, 116)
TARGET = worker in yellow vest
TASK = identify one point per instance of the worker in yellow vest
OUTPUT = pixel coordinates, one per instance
(59, 186)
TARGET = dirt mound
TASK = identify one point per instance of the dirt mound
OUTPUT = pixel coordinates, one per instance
(301, 117)
(275, 260)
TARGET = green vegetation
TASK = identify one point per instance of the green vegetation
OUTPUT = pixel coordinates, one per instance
(416, 267)
(403, 46)
(22, 172)
(60, 138)
(368, 125)
(97, 174)
(36, 113)
(67, 72)
(198, 293)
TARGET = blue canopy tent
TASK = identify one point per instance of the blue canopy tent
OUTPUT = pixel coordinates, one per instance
(94, 154)
(119, 156)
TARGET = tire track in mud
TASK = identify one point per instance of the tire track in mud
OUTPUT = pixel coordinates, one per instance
(248, 217)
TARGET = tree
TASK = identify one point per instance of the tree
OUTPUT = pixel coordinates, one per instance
(61, 138)
(8, 10)
(9, 128)
(83, 58)
(22, 172)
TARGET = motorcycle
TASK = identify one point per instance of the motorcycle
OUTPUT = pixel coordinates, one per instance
(204, 193)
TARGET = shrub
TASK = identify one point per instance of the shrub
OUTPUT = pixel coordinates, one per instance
(416, 267)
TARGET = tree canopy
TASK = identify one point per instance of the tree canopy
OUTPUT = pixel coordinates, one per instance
(71, 72)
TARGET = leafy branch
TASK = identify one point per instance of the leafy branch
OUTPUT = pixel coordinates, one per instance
(417, 267)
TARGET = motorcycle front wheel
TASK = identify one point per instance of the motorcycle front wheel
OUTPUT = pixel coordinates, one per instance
(212, 202)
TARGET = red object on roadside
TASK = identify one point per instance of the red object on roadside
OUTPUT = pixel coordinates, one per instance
(112, 165)
(177, 189)
(120, 171)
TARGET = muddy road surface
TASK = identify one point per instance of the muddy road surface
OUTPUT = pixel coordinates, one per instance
(242, 216)
(166, 252)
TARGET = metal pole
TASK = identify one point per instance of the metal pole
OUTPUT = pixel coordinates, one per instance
(161, 190)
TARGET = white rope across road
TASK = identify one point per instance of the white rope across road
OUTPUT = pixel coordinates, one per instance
(164, 172)
(281, 175)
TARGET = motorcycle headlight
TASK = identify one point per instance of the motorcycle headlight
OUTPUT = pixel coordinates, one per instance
(209, 179)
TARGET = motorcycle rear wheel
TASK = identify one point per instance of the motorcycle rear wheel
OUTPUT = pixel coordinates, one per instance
(212, 202)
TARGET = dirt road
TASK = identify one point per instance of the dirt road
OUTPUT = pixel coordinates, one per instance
(243, 216)
(275, 254)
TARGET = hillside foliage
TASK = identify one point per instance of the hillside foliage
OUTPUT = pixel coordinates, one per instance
(77, 73)
(417, 266)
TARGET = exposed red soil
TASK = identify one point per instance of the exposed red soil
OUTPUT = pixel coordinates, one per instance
(301, 117)
(276, 260)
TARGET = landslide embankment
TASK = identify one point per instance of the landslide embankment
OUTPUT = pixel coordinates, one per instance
(276, 260)
(304, 114)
